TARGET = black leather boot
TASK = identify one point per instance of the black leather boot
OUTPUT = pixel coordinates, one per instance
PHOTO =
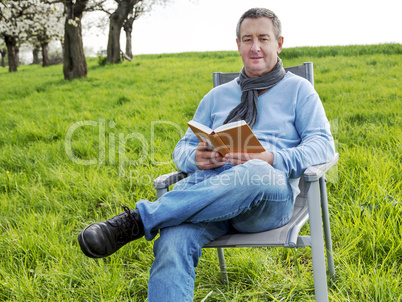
(102, 239)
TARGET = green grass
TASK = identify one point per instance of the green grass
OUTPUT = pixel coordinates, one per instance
(47, 195)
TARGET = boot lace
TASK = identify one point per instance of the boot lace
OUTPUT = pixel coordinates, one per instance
(127, 224)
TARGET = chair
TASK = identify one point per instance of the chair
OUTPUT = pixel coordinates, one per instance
(311, 204)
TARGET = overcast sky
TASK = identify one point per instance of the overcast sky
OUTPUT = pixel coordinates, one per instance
(208, 25)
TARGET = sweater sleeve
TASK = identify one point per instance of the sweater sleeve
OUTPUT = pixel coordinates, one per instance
(317, 144)
(184, 152)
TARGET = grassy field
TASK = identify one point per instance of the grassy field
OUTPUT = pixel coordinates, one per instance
(71, 152)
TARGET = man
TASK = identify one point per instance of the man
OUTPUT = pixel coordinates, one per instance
(248, 192)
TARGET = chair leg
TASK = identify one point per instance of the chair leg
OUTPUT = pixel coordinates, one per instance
(222, 265)
(161, 192)
(327, 227)
(317, 242)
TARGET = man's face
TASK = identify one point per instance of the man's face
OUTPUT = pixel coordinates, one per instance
(258, 46)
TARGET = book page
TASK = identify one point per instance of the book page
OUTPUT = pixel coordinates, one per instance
(193, 124)
(230, 125)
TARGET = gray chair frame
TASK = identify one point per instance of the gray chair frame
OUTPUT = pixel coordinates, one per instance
(311, 204)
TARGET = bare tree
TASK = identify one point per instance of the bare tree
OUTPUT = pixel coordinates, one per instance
(117, 18)
(123, 16)
(128, 28)
(116, 23)
(140, 8)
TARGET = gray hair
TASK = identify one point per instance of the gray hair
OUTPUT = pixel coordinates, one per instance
(260, 13)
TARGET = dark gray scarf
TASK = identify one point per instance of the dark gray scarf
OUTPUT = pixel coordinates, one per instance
(247, 109)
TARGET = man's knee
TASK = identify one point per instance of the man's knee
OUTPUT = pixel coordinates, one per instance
(178, 242)
(188, 238)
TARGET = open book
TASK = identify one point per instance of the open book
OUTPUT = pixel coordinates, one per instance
(231, 137)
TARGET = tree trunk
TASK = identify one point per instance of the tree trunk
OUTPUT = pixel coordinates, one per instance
(12, 62)
(74, 63)
(35, 54)
(17, 56)
(113, 44)
(3, 57)
(129, 47)
(128, 28)
(45, 54)
(115, 25)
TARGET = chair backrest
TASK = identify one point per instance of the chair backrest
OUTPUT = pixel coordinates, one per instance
(304, 71)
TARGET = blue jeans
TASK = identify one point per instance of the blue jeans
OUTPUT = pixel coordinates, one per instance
(252, 197)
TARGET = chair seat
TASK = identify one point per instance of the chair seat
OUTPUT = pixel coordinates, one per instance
(285, 236)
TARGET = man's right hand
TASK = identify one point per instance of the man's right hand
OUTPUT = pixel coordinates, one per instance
(206, 159)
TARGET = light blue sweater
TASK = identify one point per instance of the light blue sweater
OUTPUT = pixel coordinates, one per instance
(291, 124)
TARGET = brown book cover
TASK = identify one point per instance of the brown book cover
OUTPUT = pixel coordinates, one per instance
(231, 137)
